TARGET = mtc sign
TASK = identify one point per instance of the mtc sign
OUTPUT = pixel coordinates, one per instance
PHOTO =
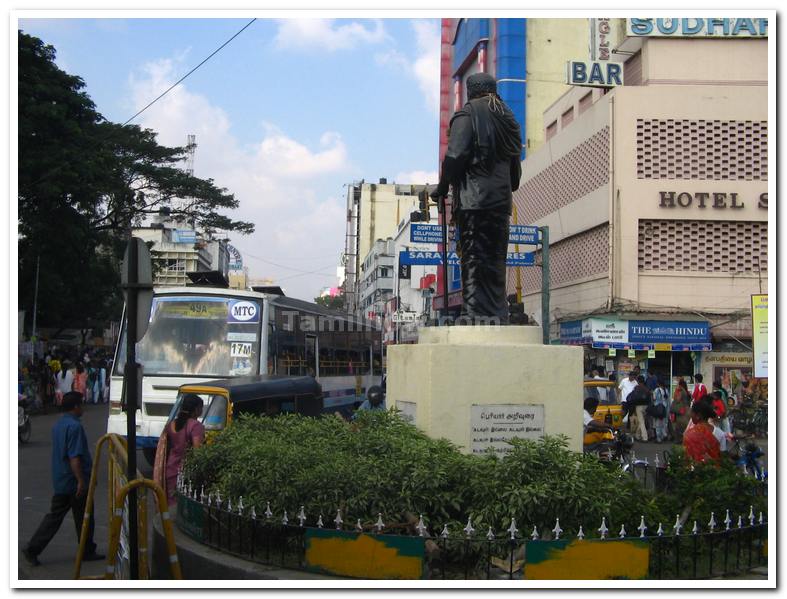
(594, 74)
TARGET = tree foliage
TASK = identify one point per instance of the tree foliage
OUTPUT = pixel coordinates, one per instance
(84, 182)
(335, 302)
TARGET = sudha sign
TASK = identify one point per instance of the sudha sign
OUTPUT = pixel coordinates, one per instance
(674, 27)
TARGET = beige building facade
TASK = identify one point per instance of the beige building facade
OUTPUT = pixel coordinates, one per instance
(374, 212)
(656, 195)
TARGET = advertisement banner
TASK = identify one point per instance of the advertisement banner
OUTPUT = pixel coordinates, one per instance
(666, 331)
(759, 334)
(435, 258)
(607, 331)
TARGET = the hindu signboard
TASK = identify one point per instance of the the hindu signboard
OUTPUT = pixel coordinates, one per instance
(759, 334)
(575, 559)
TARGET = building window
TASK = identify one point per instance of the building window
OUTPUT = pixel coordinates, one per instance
(585, 102)
(384, 272)
(567, 117)
(175, 265)
(551, 130)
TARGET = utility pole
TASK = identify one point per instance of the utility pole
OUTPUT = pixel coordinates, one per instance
(131, 404)
(442, 207)
(35, 301)
(544, 283)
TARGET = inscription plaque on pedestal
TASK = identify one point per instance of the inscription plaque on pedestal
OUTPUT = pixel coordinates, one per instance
(494, 425)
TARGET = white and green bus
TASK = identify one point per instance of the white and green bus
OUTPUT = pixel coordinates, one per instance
(198, 334)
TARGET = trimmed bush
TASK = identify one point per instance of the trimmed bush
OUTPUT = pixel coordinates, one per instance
(382, 464)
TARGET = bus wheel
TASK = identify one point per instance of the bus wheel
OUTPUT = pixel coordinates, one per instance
(150, 455)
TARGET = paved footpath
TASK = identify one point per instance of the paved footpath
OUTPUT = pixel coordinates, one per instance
(35, 494)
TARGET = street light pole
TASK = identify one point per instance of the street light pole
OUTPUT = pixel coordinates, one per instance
(35, 299)
(545, 283)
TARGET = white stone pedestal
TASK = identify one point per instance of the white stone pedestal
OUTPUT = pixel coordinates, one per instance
(479, 385)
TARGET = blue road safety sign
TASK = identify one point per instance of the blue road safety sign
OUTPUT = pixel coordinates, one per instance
(526, 234)
(429, 258)
(426, 233)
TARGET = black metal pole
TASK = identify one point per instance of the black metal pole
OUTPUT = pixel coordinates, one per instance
(694, 557)
(710, 551)
(545, 284)
(130, 380)
(444, 210)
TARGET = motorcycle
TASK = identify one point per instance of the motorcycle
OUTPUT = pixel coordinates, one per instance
(614, 447)
(25, 427)
(747, 456)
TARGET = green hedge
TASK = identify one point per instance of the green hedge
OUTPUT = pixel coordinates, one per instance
(382, 464)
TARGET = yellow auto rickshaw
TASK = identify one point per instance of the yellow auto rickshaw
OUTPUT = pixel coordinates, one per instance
(610, 412)
(269, 395)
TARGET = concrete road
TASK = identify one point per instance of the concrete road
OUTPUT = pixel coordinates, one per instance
(35, 494)
(650, 449)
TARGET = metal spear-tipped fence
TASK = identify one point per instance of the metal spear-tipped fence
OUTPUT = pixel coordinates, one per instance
(679, 550)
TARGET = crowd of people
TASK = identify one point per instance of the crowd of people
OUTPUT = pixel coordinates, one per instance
(697, 419)
(45, 380)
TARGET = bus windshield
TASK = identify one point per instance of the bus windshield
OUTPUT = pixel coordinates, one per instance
(209, 336)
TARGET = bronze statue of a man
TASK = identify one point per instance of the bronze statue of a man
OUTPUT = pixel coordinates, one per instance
(482, 165)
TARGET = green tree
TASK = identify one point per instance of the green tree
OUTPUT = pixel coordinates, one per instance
(335, 302)
(84, 182)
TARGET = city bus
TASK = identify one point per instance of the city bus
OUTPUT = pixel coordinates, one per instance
(197, 334)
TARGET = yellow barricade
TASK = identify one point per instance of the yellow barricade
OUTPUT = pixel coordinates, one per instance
(119, 488)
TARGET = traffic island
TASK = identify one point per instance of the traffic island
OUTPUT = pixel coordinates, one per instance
(200, 562)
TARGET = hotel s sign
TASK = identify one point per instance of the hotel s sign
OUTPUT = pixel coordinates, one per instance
(687, 27)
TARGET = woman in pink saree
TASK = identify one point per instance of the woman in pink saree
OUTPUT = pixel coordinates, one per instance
(183, 432)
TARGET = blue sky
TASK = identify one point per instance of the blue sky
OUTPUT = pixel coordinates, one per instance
(285, 115)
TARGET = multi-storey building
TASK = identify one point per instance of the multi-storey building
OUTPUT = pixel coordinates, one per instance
(376, 285)
(176, 252)
(374, 211)
(656, 197)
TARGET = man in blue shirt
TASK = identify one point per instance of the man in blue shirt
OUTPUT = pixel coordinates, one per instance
(71, 464)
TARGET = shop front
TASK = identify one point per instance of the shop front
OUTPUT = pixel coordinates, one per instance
(671, 349)
(732, 369)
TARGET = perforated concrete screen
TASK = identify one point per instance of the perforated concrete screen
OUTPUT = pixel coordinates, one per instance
(703, 246)
(582, 170)
(572, 259)
(705, 150)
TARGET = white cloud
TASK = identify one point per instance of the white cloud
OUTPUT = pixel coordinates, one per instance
(425, 67)
(290, 159)
(326, 34)
(286, 187)
(417, 177)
